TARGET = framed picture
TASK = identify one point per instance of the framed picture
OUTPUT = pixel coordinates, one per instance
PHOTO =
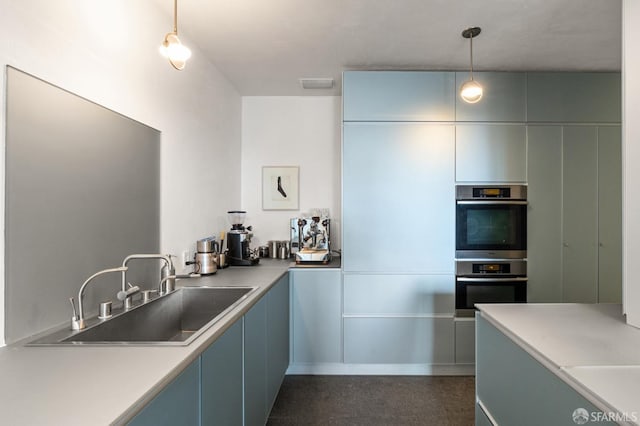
(280, 188)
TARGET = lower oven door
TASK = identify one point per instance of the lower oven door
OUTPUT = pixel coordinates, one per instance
(470, 291)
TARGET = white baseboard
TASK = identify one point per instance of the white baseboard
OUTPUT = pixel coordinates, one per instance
(341, 369)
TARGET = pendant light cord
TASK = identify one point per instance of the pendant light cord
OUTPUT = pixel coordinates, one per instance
(470, 55)
(175, 17)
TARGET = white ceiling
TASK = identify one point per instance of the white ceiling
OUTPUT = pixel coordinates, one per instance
(264, 46)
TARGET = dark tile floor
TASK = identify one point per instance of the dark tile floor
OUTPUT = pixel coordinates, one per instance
(374, 400)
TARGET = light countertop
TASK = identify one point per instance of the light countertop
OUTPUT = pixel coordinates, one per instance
(110, 384)
(588, 346)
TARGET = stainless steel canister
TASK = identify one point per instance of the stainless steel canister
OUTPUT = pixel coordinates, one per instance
(207, 263)
(283, 249)
(274, 249)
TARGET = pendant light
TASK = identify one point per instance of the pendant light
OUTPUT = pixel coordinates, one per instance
(171, 48)
(471, 90)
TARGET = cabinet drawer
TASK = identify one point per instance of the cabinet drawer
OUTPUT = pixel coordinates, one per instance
(398, 96)
(399, 294)
(398, 340)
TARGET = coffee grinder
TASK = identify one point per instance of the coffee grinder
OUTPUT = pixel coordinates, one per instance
(238, 240)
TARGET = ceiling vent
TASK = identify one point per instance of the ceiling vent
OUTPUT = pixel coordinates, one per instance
(316, 83)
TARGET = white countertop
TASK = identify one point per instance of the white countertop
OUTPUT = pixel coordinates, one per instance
(91, 385)
(590, 347)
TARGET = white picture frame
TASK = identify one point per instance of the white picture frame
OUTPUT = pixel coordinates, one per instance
(280, 187)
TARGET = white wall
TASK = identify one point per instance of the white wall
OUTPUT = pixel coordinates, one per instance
(108, 52)
(631, 158)
(291, 131)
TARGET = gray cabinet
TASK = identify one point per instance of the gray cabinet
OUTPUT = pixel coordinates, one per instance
(266, 352)
(221, 375)
(177, 404)
(316, 316)
(503, 100)
(562, 97)
(544, 193)
(390, 294)
(580, 214)
(236, 380)
(277, 338)
(397, 176)
(574, 218)
(491, 153)
(398, 319)
(398, 96)
(515, 389)
(398, 340)
(465, 340)
(255, 365)
(609, 215)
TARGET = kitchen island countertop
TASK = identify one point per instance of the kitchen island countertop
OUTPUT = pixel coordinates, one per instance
(588, 346)
(102, 385)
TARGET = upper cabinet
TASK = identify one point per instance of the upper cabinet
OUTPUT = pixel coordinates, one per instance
(395, 175)
(561, 97)
(491, 153)
(398, 96)
(503, 97)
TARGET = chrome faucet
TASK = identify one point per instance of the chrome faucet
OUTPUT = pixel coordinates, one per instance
(77, 321)
(167, 273)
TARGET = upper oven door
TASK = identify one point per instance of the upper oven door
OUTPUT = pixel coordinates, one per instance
(491, 229)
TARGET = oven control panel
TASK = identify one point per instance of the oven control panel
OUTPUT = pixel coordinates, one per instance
(488, 268)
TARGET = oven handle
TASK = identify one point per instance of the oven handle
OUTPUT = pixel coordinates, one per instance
(493, 202)
(483, 280)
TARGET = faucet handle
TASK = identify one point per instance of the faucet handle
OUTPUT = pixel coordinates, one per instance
(146, 295)
(73, 308)
(133, 289)
(77, 323)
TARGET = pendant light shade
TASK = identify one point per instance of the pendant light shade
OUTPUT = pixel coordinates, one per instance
(471, 90)
(171, 48)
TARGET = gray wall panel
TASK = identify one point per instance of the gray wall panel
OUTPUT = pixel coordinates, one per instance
(82, 192)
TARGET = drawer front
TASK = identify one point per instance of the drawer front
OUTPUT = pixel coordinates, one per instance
(398, 340)
(399, 294)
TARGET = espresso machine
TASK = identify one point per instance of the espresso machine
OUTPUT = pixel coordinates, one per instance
(310, 239)
(239, 252)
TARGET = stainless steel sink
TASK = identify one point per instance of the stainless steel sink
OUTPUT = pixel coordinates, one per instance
(175, 319)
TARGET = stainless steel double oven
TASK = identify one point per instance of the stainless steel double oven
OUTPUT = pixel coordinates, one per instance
(491, 245)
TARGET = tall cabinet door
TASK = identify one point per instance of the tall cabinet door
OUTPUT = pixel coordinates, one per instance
(398, 197)
(610, 214)
(580, 214)
(544, 236)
